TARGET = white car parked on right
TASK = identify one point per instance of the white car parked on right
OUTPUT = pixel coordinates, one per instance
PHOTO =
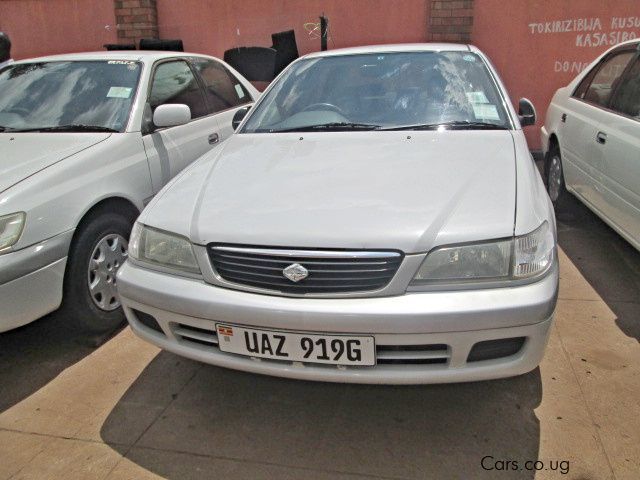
(591, 140)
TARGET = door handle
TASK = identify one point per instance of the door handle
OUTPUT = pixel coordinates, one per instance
(563, 118)
(601, 138)
(213, 139)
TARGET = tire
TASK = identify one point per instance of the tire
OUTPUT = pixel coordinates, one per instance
(96, 253)
(554, 174)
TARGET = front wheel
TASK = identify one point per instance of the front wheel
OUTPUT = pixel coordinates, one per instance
(99, 250)
(555, 177)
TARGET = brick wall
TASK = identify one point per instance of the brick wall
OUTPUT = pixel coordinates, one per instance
(136, 19)
(450, 21)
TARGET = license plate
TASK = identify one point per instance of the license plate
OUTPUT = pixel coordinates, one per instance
(297, 346)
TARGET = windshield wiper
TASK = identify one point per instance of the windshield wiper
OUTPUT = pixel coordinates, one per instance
(67, 128)
(330, 126)
(456, 124)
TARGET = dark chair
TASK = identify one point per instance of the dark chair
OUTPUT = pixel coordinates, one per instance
(164, 45)
(115, 46)
(285, 45)
(254, 63)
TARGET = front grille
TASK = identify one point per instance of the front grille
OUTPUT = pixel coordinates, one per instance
(189, 333)
(412, 354)
(329, 271)
(385, 354)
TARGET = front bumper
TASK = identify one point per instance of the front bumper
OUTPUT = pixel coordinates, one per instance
(31, 281)
(455, 319)
(31, 296)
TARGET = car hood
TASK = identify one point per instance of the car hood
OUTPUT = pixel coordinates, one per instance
(24, 154)
(390, 190)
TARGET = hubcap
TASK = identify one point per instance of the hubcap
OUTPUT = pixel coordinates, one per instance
(555, 178)
(108, 256)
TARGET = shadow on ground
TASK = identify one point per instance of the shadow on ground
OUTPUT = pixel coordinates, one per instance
(236, 425)
(33, 355)
(609, 263)
(606, 260)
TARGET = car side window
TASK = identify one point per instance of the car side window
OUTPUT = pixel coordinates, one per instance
(605, 79)
(174, 82)
(584, 84)
(627, 97)
(222, 89)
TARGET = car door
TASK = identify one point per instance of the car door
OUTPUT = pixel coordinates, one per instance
(171, 149)
(582, 152)
(620, 128)
(225, 93)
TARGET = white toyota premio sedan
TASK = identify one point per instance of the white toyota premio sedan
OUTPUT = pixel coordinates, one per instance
(591, 140)
(86, 140)
(376, 218)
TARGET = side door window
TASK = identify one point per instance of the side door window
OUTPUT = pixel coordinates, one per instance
(597, 88)
(174, 82)
(222, 89)
(626, 99)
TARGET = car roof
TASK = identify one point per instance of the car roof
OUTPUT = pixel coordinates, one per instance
(629, 42)
(401, 47)
(146, 56)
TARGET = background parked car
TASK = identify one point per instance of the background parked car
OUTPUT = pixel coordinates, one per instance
(591, 140)
(87, 140)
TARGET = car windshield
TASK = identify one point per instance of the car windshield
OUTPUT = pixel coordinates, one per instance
(67, 96)
(404, 90)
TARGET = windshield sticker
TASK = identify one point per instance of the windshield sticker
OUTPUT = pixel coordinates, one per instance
(121, 62)
(119, 92)
(477, 97)
(485, 111)
(239, 90)
(469, 58)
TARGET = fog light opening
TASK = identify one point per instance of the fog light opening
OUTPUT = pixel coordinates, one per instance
(148, 321)
(493, 349)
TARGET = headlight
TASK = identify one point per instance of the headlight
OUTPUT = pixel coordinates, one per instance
(162, 248)
(512, 259)
(533, 253)
(11, 227)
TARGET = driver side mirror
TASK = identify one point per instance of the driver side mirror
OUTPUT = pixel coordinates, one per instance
(171, 115)
(239, 116)
(526, 112)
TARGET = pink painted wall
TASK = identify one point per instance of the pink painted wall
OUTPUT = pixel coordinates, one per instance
(38, 27)
(533, 60)
(213, 26)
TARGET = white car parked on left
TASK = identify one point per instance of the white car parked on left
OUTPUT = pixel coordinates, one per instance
(86, 140)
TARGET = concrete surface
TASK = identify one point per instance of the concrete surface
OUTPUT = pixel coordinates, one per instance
(128, 411)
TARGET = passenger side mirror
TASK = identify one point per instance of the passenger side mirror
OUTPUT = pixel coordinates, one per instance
(171, 115)
(239, 116)
(526, 112)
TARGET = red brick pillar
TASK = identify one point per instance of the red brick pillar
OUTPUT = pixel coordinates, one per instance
(136, 19)
(450, 21)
